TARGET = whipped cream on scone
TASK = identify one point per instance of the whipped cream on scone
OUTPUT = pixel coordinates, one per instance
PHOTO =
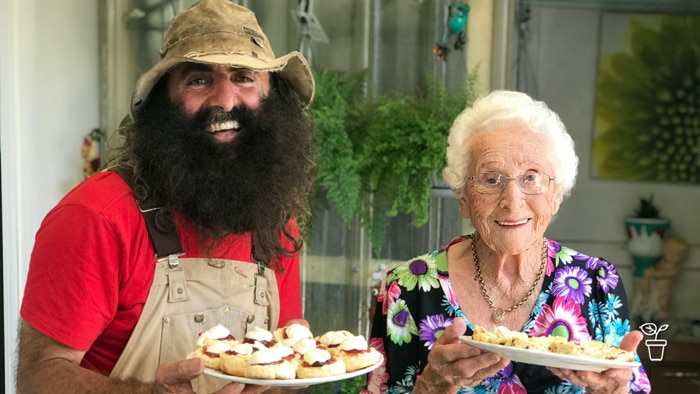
(318, 363)
(214, 334)
(236, 359)
(211, 354)
(356, 353)
(331, 339)
(266, 364)
(304, 345)
(289, 335)
(259, 335)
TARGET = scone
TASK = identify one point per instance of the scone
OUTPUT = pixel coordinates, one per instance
(304, 345)
(259, 335)
(211, 354)
(264, 364)
(318, 363)
(289, 335)
(286, 353)
(332, 339)
(356, 353)
(301, 347)
(235, 360)
(216, 333)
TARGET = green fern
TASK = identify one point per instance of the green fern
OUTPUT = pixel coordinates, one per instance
(378, 156)
(338, 178)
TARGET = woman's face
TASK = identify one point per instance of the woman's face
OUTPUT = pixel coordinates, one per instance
(510, 221)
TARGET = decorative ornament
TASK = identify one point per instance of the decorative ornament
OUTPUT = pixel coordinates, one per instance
(90, 151)
(456, 26)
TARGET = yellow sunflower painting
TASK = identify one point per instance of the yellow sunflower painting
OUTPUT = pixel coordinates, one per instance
(647, 113)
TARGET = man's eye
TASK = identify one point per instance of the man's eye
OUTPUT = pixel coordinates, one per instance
(197, 82)
(244, 76)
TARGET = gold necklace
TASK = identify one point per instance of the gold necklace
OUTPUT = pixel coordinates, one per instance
(498, 314)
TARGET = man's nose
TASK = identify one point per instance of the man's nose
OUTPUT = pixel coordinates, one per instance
(223, 94)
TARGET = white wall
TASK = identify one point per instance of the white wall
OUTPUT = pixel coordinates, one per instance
(564, 58)
(49, 100)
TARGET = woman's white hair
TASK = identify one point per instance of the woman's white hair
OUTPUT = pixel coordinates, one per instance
(499, 107)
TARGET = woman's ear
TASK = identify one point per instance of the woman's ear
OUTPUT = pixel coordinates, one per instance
(465, 207)
(556, 201)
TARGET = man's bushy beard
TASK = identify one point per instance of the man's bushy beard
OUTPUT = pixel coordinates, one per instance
(253, 183)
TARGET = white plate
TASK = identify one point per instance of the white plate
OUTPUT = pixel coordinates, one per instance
(291, 382)
(537, 357)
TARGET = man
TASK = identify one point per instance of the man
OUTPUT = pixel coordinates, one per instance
(213, 179)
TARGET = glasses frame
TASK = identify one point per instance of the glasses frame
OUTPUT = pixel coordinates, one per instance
(504, 180)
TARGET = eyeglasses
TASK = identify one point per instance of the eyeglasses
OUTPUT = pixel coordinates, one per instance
(528, 183)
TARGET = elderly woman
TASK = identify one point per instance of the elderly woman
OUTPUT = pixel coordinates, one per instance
(510, 162)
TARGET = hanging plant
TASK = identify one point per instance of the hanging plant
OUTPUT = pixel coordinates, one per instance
(378, 156)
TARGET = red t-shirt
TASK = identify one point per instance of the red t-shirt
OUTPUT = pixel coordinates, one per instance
(92, 267)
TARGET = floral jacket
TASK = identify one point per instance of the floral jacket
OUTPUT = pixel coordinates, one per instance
(582, 297)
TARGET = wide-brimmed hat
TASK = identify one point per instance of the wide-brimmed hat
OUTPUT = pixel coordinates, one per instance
(224, 33)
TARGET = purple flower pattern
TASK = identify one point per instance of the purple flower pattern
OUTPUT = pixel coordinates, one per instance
(582, 297)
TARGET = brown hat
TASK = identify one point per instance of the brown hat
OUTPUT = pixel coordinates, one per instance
(222, 32)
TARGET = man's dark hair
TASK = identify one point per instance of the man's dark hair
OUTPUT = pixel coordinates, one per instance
(256, 184)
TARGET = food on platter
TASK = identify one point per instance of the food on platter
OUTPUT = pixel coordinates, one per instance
(332, 339)
(266, 364)
(211, 344)
(289, 335)
(214, 334)
(318, 363)
(356, 353)
(235, 360)
(554, 344)
(259, 335)
(291, 352)
(304, 345)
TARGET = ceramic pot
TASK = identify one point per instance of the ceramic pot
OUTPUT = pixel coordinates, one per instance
(645, 243)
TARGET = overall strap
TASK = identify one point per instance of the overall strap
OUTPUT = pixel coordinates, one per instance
(166, 241)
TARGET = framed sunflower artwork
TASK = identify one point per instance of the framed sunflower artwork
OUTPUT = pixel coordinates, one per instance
(647, 110)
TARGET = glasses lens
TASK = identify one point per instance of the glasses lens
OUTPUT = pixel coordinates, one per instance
(489, 182)
(533, 183)
(493, 182)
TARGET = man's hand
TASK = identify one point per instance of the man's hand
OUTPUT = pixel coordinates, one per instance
(174, 377)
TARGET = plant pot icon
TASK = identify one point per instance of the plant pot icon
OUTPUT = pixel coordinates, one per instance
(656, 349)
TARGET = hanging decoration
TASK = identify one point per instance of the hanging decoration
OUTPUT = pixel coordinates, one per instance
(90, 151)
(456, 30)
(310, 29)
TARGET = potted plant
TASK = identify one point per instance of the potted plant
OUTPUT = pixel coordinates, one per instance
(379, 156)
(645, 232)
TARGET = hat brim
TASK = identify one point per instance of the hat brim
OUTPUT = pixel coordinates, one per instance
(292, 67)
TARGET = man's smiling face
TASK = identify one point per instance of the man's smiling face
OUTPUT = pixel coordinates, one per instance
(197, 87)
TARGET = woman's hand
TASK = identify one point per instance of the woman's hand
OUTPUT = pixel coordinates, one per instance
(611, 381)
(452, 364)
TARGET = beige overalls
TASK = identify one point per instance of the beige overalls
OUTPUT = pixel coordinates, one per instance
(189, 296)
(192, 297)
